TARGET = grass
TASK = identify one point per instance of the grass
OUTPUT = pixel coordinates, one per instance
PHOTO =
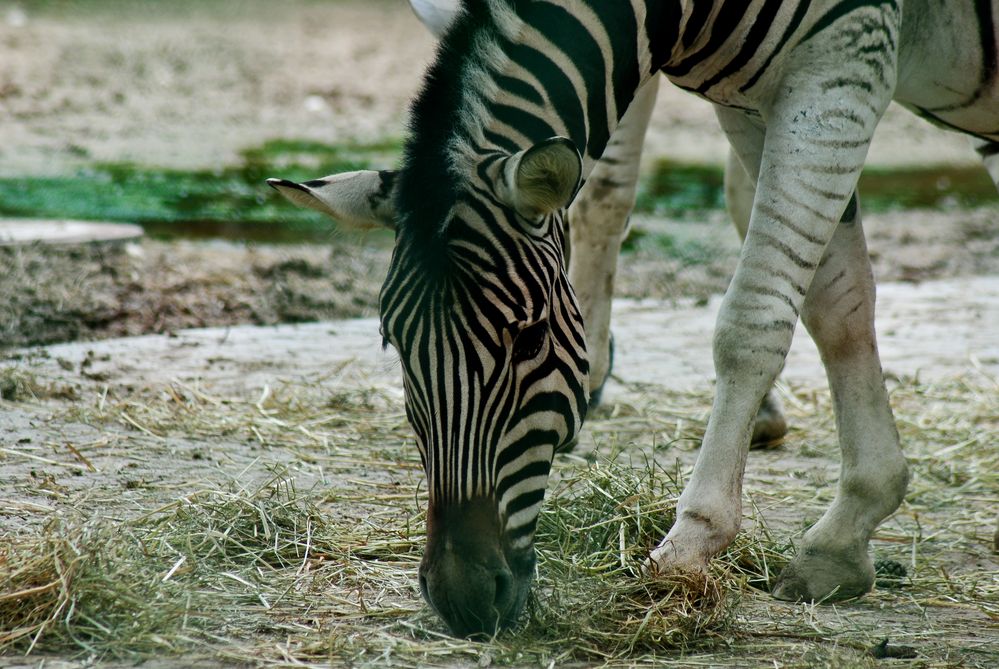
(267, 553)
(19, 385)
(220, 563)
(98, 586)
(272, 563)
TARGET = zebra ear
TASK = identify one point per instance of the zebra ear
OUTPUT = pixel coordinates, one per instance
(356, 199)
(436, 15)
(543, 179)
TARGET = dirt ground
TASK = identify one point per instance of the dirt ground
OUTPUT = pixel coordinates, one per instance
(113, 428)
(50, 295)
(111, 431)
(66, 294)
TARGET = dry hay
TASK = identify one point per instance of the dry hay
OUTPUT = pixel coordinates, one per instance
(265, 562)
(18, 385)
(261, 571)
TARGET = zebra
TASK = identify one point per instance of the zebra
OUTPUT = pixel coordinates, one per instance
(532, 115)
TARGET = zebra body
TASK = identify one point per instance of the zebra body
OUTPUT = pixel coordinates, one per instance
(479, 305)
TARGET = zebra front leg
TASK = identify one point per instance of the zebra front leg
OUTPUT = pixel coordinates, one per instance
(770, 426)
(833, 561)
(598, 224)
(817, 134)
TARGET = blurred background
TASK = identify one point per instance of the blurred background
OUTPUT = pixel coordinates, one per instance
(171, 114)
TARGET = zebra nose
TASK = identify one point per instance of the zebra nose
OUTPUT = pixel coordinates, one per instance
(470, 575)
(475, 597)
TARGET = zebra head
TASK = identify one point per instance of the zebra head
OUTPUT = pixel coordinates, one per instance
(491, 345)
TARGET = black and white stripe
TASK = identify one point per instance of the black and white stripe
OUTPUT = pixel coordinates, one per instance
(510, 74)
(477, 301)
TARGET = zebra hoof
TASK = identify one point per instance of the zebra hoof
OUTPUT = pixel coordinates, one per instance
(770, 427)
(596, 395)
(817, 577)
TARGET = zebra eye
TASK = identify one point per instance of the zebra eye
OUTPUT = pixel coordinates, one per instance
(530, 341)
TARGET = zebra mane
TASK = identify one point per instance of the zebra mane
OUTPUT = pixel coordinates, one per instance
(446, 117)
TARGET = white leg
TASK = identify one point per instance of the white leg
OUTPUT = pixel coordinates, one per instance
(740, 189)
(818, 132)
(598, 223)
(832, 559)
(740, 184)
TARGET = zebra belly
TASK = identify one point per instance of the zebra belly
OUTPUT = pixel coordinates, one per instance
(949, 64)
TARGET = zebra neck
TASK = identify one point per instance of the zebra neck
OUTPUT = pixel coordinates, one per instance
(511, 73)
(544, 69)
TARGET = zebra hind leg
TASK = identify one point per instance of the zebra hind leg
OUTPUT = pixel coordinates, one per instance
(598, 224)
(833, 561)
(770, 426)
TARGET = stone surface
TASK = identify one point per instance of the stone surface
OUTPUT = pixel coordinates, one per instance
(24, 231)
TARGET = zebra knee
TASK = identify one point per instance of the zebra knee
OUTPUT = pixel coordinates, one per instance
(748, 364)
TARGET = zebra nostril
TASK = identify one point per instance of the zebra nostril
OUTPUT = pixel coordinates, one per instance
(468, 575)
(503, 593)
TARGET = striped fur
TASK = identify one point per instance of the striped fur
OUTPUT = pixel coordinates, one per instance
(477, 300)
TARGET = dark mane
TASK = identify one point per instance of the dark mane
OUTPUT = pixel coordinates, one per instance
(427, 186)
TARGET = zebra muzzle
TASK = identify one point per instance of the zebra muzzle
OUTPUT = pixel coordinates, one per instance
(474, 582)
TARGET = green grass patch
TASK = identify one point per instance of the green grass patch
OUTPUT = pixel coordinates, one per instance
(676, 247)
(231, 202)
(677, 190)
